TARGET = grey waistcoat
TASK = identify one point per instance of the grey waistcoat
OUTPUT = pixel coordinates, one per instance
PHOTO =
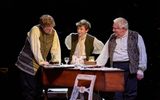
(133, 52)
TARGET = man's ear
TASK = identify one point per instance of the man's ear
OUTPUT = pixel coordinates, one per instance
(87, 30)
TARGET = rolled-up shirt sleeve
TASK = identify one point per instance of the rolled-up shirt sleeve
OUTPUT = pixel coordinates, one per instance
(142, 54)
(33, 37)
(103, 57)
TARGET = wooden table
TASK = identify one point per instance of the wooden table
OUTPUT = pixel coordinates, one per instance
(108, 79)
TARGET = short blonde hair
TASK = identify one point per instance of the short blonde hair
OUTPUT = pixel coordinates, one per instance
(47, 20)
(85, 23)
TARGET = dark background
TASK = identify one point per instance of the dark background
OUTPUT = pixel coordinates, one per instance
(17, 17)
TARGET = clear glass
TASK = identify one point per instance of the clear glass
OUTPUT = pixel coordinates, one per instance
(91, 58)
(66, 59)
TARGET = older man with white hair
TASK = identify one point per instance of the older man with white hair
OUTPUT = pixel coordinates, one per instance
(126, 50)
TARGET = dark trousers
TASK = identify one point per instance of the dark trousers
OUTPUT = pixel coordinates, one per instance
(130, 91)
(31, 87)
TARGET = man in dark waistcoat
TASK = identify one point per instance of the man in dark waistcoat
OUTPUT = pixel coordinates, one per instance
(81, 44)
(126, 50)
(42, 42)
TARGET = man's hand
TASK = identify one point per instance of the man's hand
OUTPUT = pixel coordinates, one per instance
(44, 63)
(55, 62)
(140, 74)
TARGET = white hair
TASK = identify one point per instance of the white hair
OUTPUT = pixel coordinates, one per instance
(122, 22)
